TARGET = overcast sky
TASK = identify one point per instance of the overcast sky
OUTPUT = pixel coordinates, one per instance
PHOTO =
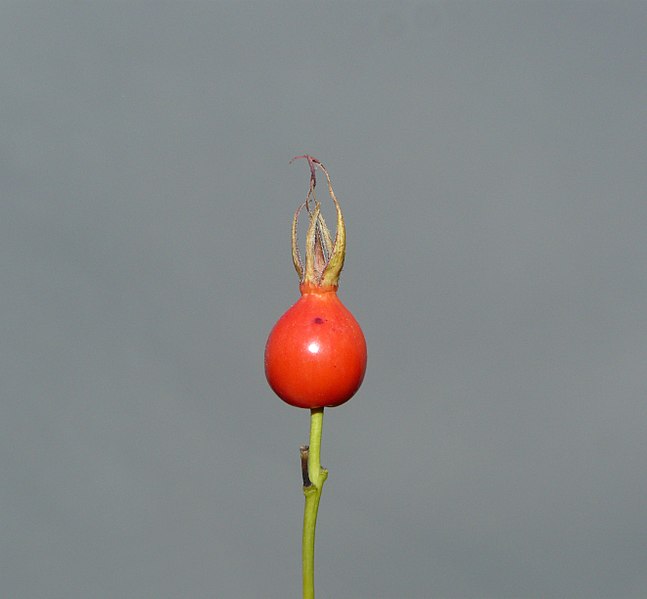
(491, 162)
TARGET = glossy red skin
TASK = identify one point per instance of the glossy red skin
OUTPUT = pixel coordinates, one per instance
(315, 356)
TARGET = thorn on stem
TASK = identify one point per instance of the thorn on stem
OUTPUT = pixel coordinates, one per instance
(303, 450)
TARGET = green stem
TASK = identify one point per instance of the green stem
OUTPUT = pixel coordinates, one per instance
(314, 478)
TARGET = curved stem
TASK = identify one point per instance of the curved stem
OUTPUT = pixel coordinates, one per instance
(313, 485)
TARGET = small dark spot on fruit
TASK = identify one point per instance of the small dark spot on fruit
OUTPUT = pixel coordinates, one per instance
(318, 320)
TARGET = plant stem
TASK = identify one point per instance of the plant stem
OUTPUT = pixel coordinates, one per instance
(314, 478)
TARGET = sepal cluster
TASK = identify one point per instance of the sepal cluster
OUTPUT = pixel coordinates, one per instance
(324, 256)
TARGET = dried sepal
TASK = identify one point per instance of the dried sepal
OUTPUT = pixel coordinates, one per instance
(296, 255)
(336, 260)
(312, 259)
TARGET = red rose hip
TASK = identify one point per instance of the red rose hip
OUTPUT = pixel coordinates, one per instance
(315, 355)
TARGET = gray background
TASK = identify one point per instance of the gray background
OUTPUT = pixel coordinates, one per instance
(491, 162)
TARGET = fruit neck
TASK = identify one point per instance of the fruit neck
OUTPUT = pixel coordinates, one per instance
(307, 288)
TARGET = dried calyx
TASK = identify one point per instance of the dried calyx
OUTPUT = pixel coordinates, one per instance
(324, 257)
